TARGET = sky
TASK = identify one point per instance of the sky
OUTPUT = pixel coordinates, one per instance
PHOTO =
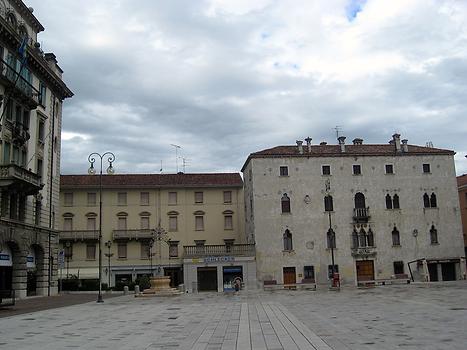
(225, 78)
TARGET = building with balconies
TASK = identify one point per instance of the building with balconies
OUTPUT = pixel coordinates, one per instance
(187, 226)
(31, 96)
(382, 212)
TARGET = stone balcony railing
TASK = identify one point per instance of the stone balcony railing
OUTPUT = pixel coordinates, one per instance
(132, 234)
(193, 251)
(361, 214)
(79, 235)
(27, 181)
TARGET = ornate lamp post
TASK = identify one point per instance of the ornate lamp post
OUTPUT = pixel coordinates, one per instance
(331, 237)
(92, 171)
(108, 244)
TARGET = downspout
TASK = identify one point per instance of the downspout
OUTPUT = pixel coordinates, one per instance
(50, 196)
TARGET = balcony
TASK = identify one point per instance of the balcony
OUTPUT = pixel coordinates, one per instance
(20, 134)
(193, 251)
(21, 88)
(20, 179)
(361, 214)
(79, 235)
(132, 234)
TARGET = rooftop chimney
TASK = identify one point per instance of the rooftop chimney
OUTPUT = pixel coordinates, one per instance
(405, 146)
(300, 146)
(357, 141)
(341, 140)
(324, 143)
(397, 142)
(308, 143)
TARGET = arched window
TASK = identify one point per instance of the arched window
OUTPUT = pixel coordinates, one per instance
(12, 19)
(328, 203)
(433, 235)
(370, 238)
(388, 201)
(362, 238)
(395, 202)
(426, 200)
(433, 203)
(331, 238)
(359, 200)
(396, 239)
(354, 238)
(285, 203)
(287, 240)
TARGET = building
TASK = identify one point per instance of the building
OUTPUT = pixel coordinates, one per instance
(392, 209)
(31, 96)
(188, 226)
(462, 187)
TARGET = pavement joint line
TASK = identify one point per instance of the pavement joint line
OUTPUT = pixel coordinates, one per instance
(244, 335)
(284, 338)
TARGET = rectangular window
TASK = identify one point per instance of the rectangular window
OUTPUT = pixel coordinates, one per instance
(398, 267)
(389, 169)
(91, 224)
(426, 168)
(91, 251)
(145, 251)
(68, 224)
(9, 109)
(145, 222)
(122, 250)
(92, 199)
(68, 199)
(357, 169)
(144, 198)
(172, 198)
(173, 224)
(40, 168)
(227, 197)
(16, 155)
(309, 272)
(6, 153)
(326, 169)
(198, 197)
(284, 171)
(336, 270)
(173, 249)
(199, 223)
(121, 198)
(37, 213)
(228, 222)
(41, 136)
(42, 93)
(122, 223)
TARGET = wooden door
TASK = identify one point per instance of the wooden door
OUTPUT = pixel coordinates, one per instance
(289, 275)
(365, 270)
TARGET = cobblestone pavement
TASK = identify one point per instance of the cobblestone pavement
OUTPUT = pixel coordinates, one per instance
(428, 316)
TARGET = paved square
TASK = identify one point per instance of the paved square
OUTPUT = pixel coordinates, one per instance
(423, 316)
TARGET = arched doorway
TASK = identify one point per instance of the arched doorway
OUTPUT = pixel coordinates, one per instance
(6, 267)
(36, 272)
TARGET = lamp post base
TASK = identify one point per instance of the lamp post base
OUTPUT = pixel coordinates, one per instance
(99, 298)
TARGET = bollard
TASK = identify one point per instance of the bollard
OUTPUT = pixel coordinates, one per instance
(125, 290)
(136, 289)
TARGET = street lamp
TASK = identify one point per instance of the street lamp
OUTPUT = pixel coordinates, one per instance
(331, 235)
(108, 244)
(91, 171)
(67, 256)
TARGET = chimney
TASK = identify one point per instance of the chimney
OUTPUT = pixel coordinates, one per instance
(357, 141)
(324, 143)
(341, 140)
(397, 141)
(405, 146)
(308, 143)
(300, 146)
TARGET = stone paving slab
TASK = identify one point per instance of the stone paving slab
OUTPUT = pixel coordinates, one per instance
(390, 317)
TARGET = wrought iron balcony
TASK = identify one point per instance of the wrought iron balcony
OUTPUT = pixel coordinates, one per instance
(20, 87)
(193, 251)
(79, 235)
(361, 214)
(132, 234)
(23, 180)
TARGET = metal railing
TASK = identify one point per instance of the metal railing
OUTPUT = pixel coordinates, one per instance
(20, 83)
(218, 250)
(79, 235)
(132, 234)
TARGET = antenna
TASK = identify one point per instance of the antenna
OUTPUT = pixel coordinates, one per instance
(177, 147)
(184, 163)
(429, 144)
(160, 170)
(337, 128)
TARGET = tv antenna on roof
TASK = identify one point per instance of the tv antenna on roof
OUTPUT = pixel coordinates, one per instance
(184, 160)
(177, 147)
(337, 128)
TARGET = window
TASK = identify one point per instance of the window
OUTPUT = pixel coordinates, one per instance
(172, 198)
(331, 238)
(173, 249)
(398, 267)
(68, 199)
(41, 136)
(68, 250)
(308, 272)
(336, 270)
(388, 201)
(287, 241)
(173, 223)
(40, 168)
(328, 203)
(430, 201)
(355, 239)
(227, 197)
(145, 250)
(389, 169)
(285, 203)
(426, 201)
(433, 203)
(68, 224)
(433, 235)
(144, 221)
(396, 240)
(228, 222)
(326, 169)
(91, 224)
(199, 223)
(395, 202)
(426, 168)
(90, 251)
(144, 198)
(92, 199)
(357, 169)
(122, 222)
(37, 214)
(370, 238)
(122, 248)
(42, 93)
(121, 198)
(198, 197)
(284, 171)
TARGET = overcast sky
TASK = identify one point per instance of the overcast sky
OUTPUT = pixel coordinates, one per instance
(224, 78)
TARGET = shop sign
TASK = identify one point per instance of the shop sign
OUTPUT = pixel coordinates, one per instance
(211, 259)
(4, 257)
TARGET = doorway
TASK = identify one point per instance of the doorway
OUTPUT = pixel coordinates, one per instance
(207, 279)
(448, 271)
(365, 270)
(289, 275)
(176, 276)
(433, 271)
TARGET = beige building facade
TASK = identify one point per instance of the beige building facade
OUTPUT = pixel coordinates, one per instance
(31, 96)
(187, 226)
(393, 209)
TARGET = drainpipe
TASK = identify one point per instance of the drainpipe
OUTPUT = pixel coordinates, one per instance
(50, 197)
